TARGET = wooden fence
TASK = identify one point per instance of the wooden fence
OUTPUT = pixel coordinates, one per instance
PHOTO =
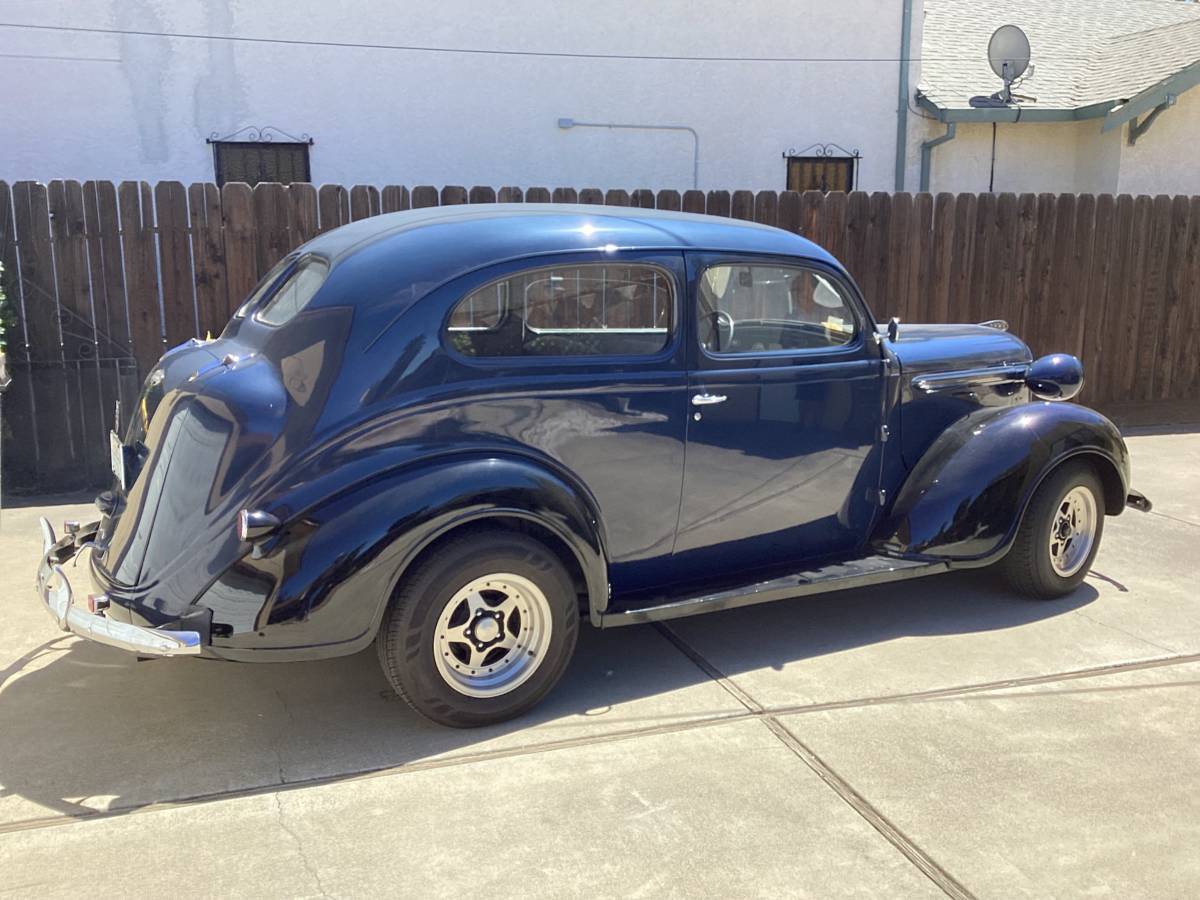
(105, 277)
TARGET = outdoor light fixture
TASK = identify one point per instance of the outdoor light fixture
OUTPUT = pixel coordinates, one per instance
(566, 122)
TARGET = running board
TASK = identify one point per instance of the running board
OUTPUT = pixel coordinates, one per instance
(834, 577)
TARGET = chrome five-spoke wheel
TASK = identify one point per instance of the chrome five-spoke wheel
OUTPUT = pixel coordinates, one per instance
(480, 628)
(1073, 531)
(1059, 534)
(492, 635)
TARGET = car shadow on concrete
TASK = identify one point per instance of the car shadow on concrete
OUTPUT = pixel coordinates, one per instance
(84, 727)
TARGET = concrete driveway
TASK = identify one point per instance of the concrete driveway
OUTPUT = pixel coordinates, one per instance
(937, 737)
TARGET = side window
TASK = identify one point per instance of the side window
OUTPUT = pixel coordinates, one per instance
(583, 310)
(294, 294)
(764, 308)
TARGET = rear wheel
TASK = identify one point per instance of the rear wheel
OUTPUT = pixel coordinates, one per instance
(480, 630)
(1059, 535)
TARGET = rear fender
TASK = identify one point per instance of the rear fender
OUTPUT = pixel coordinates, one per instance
(964, 500)
(342, 560)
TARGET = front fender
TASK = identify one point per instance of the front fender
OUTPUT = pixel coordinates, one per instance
(342, 559)
(964, 500)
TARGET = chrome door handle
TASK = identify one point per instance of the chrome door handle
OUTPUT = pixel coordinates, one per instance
(708, 399)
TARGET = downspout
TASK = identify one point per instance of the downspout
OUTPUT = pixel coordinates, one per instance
(927, 152)
(902, 109)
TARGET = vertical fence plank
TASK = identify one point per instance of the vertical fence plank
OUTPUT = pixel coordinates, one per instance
(1026, 262)
(920, 258)
(977, 302)
(272, 239)
(118, 370)
(424, 195)
(76, 328)
(1125, 359)
(616, 197)
(241, 251)
(175, 262)
(364, 201)
(20, 456)
(668, 200)
(834, 213)
(591, 197)
(717, 204)
(395, 198)
(452, 195)
(50, 408)
(937, 301)
(1110, 339)
(693, 201)
(565, 195)
(481, 194)
(1001, 270)
(766, 208)
(141, 272)
(742, 205)
(537, 195)
(1071, 302)
(787, 215)
(208, 258)
(642, 198)
(898, 243)
(1185, 378)
(510, 194)
(1153, 299)
(812, 211)
(1094, 309)
(333, 206)
(303, 217)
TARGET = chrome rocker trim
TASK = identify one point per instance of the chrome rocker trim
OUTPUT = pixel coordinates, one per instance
(54, 589)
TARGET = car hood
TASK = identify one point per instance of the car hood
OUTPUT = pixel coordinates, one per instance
(923, 349)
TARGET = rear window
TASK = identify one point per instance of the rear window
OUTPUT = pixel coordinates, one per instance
(294, 294)
(582, 310)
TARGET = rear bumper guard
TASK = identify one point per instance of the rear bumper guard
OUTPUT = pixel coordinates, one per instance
(1137, 500)
(54, 590)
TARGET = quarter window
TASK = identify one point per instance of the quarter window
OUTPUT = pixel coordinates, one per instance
(585, 310)
(294, 294)
(762, 309)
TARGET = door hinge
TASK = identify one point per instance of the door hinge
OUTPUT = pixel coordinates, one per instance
(884, 433)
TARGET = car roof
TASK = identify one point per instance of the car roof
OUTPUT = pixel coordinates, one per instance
(471, 236)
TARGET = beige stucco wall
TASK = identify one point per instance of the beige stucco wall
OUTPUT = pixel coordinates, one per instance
(1165, 159)
(1073, 157)
(1056, 157)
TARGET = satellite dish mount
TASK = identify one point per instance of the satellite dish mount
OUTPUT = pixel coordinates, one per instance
(1008, 55)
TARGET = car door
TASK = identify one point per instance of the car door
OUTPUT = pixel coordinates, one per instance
(785, 411)
(582, 362)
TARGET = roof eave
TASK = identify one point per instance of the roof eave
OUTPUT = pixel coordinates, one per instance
(1013, 114)
(1156, 95)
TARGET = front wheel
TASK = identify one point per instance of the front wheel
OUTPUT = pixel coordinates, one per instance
(1059, 535)
(480, 630)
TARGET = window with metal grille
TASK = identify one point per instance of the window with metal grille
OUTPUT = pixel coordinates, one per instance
(821, 173)
(253, 162)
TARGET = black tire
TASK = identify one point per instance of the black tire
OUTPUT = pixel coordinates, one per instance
(1028, 568)
(405, 643)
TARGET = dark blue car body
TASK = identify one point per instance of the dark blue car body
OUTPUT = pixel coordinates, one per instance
(366, 436)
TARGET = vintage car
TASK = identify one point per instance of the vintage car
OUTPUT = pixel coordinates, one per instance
(455, 432)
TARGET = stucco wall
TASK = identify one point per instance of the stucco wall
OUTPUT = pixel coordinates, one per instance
(1164, 160)
(394, 116)
(1068, 157)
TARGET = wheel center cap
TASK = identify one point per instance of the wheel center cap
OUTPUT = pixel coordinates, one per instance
(487, 629)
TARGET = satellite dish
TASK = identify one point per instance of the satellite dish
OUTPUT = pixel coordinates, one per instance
(1008, 53)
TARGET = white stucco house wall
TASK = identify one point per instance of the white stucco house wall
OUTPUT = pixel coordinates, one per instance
(459, 92)
(1108, 108)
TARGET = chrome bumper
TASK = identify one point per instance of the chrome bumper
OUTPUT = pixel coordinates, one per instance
(54, 589)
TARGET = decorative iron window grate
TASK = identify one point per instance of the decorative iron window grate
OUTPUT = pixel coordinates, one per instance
(822, 167)
(253, 154)
(255, 162)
